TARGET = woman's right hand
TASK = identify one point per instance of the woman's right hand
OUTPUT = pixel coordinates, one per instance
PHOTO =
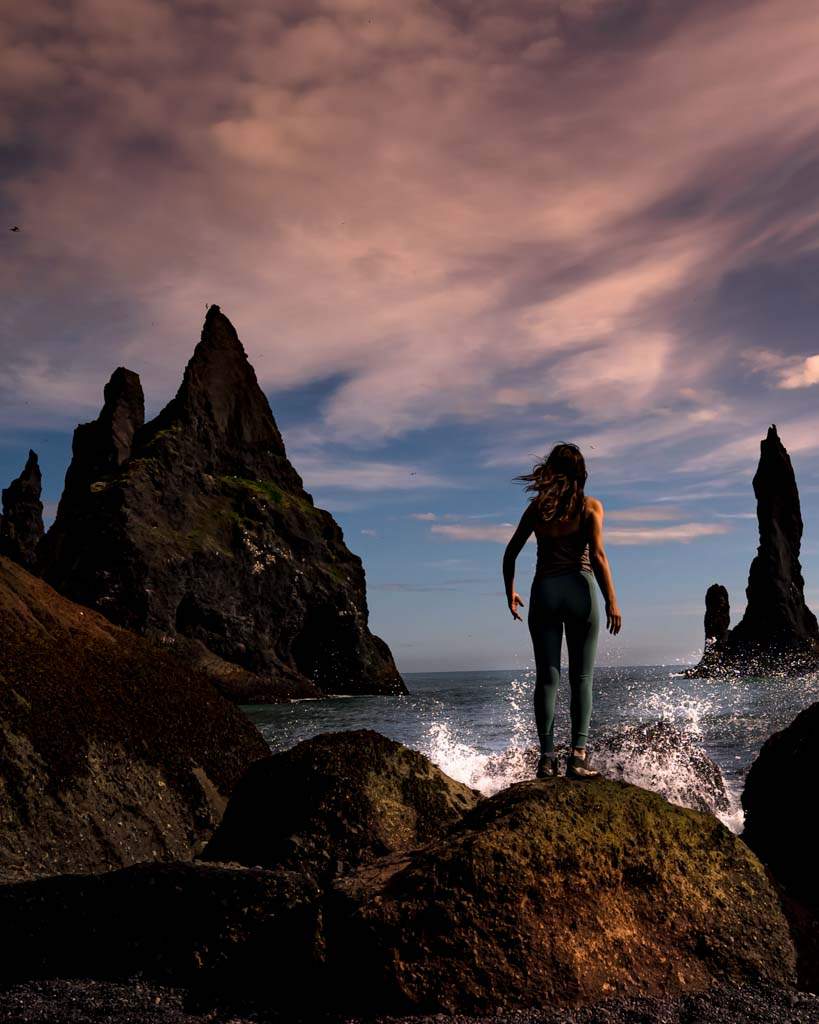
(613, 618)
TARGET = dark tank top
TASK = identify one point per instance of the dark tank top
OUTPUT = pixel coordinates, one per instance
(569, 553)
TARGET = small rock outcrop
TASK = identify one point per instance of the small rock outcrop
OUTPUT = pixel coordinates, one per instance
(21, 524)
(717, 614)
(195, 529)
(778, 632)
(781, 807)
(111, 751)
(552, 894)
(335, 802)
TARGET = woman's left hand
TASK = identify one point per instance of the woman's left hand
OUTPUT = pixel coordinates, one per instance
(514, 601)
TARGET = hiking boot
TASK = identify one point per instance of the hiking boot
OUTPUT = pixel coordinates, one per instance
(579, 767)
(546, 767)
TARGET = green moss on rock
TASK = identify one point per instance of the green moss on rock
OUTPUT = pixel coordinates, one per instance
(558, 893)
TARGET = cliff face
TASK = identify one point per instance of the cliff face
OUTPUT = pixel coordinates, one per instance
(111, 751)
(21, 524)
(778, 630)
(196, 529)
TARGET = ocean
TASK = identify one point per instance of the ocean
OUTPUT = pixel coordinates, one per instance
(479, 728)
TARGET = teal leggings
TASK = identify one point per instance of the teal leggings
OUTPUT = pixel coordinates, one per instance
(567, 599)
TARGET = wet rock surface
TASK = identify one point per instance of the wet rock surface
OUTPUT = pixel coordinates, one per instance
(111, 751)
(778, 632)
(195, 529)
(781, 804)
(557, 893)
(337, 801)
(655, 755)
(21, 524)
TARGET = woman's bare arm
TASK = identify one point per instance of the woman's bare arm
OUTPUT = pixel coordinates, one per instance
(513, 549)
(601, 567)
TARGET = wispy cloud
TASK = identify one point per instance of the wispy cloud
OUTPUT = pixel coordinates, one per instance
(384, 198)
(678, 533)
(425, 516)
(460, 531)
(642, 514)
(365, 475)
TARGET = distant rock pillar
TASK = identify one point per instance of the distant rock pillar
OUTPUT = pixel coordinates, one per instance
(717, 614)
(21, 525)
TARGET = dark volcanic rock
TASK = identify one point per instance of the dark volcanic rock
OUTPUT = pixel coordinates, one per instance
(335, 802)
(557, 894)
(111, 751)
(778, 632)
(196, 529)
(21, 524)
(207, 928)
(781, 801)
(86, 1001)
(717, 613)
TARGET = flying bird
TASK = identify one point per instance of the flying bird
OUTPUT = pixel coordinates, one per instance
(15, 228)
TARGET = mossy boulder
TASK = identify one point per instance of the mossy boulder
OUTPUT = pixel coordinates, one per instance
(557, 894)
(337, 801)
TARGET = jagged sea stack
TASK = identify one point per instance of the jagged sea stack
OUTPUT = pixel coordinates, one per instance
(778, 632)
(195, 529)
(21, 524)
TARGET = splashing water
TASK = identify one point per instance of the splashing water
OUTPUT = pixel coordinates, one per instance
(690, 739)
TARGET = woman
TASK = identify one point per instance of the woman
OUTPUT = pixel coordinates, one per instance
(569, 531)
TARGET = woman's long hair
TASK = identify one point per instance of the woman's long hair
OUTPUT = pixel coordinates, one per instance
(557, 482)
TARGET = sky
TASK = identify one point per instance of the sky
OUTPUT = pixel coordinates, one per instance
(450, 233)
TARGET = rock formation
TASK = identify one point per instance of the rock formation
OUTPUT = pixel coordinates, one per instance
(111, 751)
(21, 524)
(717, 614)
(552, 894)
(781, 804)
(547, 894)
(335, 802)
(778, 632)
(195, 529)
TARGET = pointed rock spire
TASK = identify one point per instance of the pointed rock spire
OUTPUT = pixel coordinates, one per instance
(21, 525)
(778, 631)
(220, 394)
(101, 446)
(776, 613)
(196, 529)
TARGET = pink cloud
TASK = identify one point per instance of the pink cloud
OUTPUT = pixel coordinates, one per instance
(456, 219)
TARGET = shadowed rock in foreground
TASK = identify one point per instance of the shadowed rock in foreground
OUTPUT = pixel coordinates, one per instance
(781, 801)
(196, 530)
(557, 894)
(337, 801)
(778, 632)
(21, 524)
(111, 751)
(548, 894)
